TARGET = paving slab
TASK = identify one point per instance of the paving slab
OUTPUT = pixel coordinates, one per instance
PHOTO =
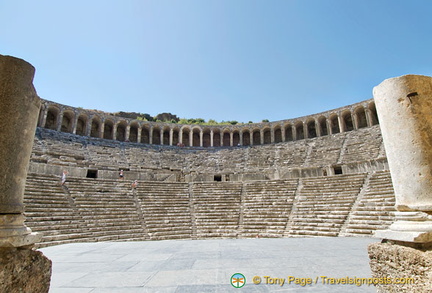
(180, 266)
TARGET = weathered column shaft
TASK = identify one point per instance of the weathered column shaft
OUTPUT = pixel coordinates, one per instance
(404, 106)
(19, 109)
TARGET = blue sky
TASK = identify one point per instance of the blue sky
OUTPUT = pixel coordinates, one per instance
(241, 60)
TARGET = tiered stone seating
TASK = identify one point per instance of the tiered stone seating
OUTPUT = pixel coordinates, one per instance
(49, 211)
(291, 154)
(166, 210)
(107, 156)
(324, 204)
(362, 145)
(325, 150)
(108, 208)
(376, 208)
(216, 207)
(266, 207)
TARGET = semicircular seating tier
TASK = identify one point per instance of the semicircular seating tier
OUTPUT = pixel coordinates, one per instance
(320, 175)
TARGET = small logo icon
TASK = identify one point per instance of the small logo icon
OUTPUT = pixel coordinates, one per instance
(238, 280)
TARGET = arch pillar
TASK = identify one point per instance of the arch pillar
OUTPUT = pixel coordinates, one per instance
(139, 133)
(151, 134)
(231, 137)
(181, 135)
(171, 136)
(59, 120)
(283, 134)
(88, 127)
(241, 137)
(294, 132)
(211, 137)
(317, 128)
(74, 123)
(369, 118)
(329, 126)
(102, 129)
(305, 130)
(44, 113)
(341, 123)
(127, 134)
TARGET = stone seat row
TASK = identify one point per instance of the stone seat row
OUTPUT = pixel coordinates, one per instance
(189, 211)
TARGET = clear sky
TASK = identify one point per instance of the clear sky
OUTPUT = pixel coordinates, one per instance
(241, 60)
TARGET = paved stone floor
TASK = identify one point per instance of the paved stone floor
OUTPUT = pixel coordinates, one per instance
(209, 265)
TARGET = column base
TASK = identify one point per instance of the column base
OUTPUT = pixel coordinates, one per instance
(13, 232)
(414, 227)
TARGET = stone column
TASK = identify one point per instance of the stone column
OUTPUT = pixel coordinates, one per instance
(404, 107)
(19, 106)
(22, 269)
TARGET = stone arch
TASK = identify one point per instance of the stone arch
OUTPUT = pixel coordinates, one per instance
(145, 134)
(373, 114)
(51, 118)
(217, 137)
(334, 124)
(347, 120)
(121, 131)
(185, 138)
(175, 135)
(311, 128)
(156, 135)
(206, 137)
(288, 133)
(299, 130)
(95, 127)
(236, 138)
(277, 134)
(108, 129)
(133, 132)
(361, 117)
(81, 127)
(267, 135)
(246, 137)
(322, 122)
(226, 138)
(166, 135)
(256, 137)
(67, 121)
(196, 136)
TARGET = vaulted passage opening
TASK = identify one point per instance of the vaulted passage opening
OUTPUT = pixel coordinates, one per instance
(81, 126)
(267, 136)
(145, 135)
(108, 130)
(95, 128)
(323, 125)
(347, 118)
(300, 131)
(256, 137)
(288, 133)
(51, 119)
(311, 129)
(278, 135)
(246, 138)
